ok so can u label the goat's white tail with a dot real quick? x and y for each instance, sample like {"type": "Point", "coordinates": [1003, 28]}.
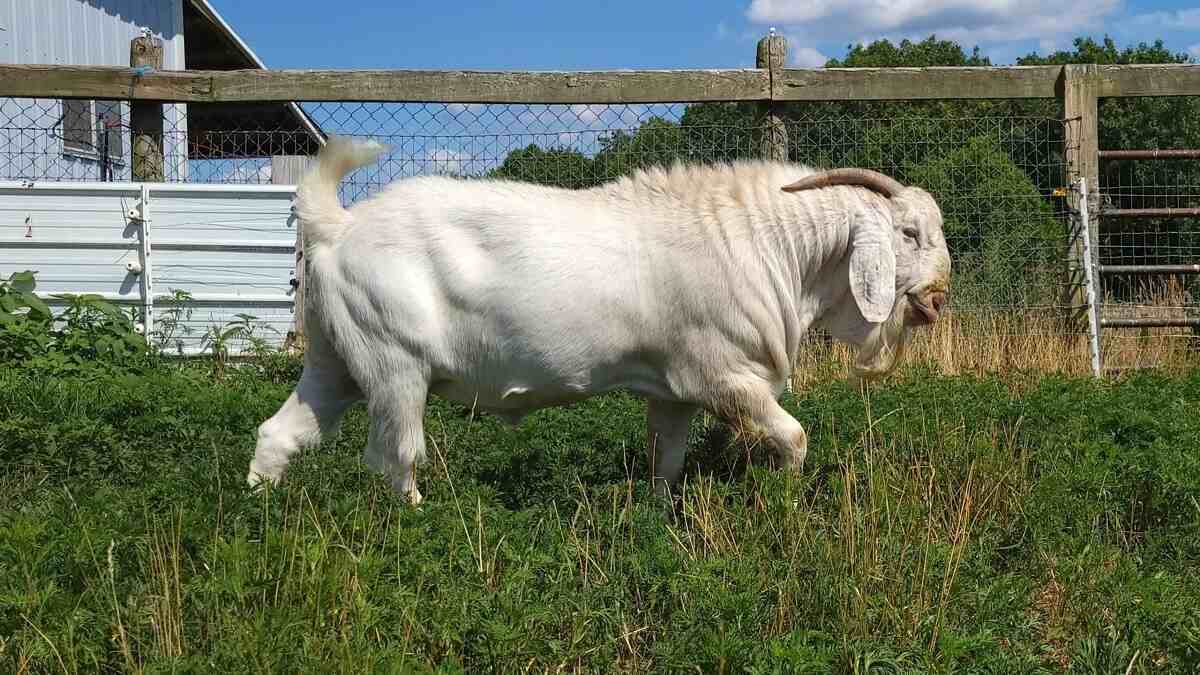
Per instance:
{"type": "Point", "coordinates": [318, 207]}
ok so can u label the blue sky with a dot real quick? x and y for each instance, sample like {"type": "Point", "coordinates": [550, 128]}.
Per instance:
{"type": "Point", "coordinates": [570, 35]}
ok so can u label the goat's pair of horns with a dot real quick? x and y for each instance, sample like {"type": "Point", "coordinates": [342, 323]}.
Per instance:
{"type": "Point", "coordinates": [872, 180]}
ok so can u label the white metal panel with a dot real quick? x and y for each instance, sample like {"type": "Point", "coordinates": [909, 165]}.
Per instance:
{"type": "Point", "coordinates": [232, 242]}
{"type": "Point", "coordinates": [77, 238]}
{"type": "Point", "coordinates": [231, 247]}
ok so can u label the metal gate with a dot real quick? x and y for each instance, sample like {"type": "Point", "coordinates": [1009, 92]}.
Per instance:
{"type": "Point", "coordinates": [1096, 270]}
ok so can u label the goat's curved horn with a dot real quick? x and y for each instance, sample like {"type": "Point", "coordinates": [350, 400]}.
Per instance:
{"type": "Point", "coordinates": [872, 180]}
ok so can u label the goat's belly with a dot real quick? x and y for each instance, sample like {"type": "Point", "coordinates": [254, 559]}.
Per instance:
{"type": "Point", "coordinates": [515, 397]}
{"type": "Point", "coordinates": [513, 401]}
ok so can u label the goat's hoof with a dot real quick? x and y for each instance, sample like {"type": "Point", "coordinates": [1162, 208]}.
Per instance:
{"type": "Point", "coordinates": [258, 479]}
{"type": "Point", "coordinates": [414, 496]}
{"type": "Point", "coordinates": [409, 492]}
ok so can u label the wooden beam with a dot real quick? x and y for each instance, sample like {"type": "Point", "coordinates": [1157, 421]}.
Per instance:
{"type": "Point", "coordinates": [642, 86]}
{"type": "Point", "coordinates": [288, 170]}
{"type": "Point", "coordinates": [645, 86]}
{"type": "Point", "coordinates": [146, 117]}
{"type": "Point", "coordinates": [1172, 79]}
{"type": "Point", "coordinates": [882, 84]}
{"type": "Point", "coordinates": [1081, 87]}
{"type": "Point", "coordinates": [770, 56]}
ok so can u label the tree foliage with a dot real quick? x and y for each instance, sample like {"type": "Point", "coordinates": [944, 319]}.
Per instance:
{"type": "Point", "coordinates": [557, 166]}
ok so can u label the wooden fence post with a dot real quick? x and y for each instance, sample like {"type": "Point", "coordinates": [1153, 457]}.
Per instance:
{"type": "Point", "coordinates": [1080, 93]}
{"type": "Point", "coordinates": [288, 170]}
{"type": "Point", "coordinates": [772, 56]}
{"type": "Point", "coordinates": [146, 117]}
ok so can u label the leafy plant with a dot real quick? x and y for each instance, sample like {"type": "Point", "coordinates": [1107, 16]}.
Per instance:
{"type": "Point", "coordinates": [171, 321]}
{"type": "Point", "coordinates": [218, 340]}
{"type": "Point", "coordinates": [24, 318]}
{"type": "Point", "coordinates": [16, 293]}
{"type": "Point", "coordinates": [88, 333]}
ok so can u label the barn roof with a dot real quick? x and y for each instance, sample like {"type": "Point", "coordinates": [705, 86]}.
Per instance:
{"type": "Point", "coordinates": [235, 130]}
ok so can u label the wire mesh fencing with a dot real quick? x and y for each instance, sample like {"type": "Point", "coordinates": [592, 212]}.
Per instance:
{"type": "Point", "coordinates": [996, 170]}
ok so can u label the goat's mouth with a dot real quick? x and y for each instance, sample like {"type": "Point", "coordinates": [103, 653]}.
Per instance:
{"type": "Point", "coordinates": [926, 310]}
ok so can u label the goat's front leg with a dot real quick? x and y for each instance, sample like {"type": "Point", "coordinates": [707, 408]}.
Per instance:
{"type": "Point", "coordinates": [751, 407]}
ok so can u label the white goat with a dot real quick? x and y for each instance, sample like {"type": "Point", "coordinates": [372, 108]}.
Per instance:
{"type": "Point", "coordinates": [691, 286]}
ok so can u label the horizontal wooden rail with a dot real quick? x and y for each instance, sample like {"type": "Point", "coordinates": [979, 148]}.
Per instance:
{"type": "Point", "coordinates": [618, 86]}
{"type": "Point", "coordinates": [867, 84]}
{"type": "Point", "coordinates": [416, 86]}
{"type": "Point", "coordinates": [1173, 79]}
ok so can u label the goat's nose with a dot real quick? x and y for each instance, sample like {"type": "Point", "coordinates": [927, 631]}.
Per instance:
{"type": "Point", "coordinates": [937, 300]}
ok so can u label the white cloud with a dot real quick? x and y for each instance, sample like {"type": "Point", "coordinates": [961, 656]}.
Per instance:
{"type": "Point", "coordinates": [1194, 51]}
{"type": "Point", "coordinates": [967, 21]}
{"type": "Point", "coordinates": [445, 161]}
{"type": "Point", "coordinates": [806, 57]}
{"type": "Point", "coordinates": [586, 114]}
{"type": "Point", "coordinates": [1183, 19]}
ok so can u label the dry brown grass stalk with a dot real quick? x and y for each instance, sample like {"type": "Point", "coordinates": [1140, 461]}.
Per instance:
{"type": "Point", "coordinates": [1034, 340]}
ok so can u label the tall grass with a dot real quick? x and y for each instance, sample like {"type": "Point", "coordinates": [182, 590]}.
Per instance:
{"type": "Point", "coordinates": [1034, 340]}
{"type": "Point", "coordinates": [941, 524]}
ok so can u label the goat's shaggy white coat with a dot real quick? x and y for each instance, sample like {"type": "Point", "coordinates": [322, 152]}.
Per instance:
{"type": "Point", "coordinates": [691, 286]}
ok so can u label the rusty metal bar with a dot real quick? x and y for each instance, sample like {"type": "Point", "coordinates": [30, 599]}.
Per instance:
{"type": "Point", "coordinates": [1152, 213]}
{"type": "Point", "coordinates": [1185, 322]}
{"type": "Point", "coordinates": [1150, 154]}
{"type": "Point", "coordinates": [1150, 269]}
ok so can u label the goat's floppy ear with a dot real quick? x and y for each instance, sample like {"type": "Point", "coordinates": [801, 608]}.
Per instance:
{"type": "Point", "coordinates": [872, 266]}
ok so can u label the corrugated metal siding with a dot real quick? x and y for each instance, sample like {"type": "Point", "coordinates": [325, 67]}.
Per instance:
{"type": "Point", "coordinates": [79, 32]}
{"type": "Point", "coordinates": [231, 247]}
{"type": "Point", "coordinates": [97, 33]}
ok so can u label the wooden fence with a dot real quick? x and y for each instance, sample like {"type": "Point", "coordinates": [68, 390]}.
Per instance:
{"type": "Point", "coordinates": [771, 84]}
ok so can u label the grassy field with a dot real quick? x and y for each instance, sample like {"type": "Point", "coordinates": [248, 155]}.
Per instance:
{"type": "Point", "coordinates": [941, 524]}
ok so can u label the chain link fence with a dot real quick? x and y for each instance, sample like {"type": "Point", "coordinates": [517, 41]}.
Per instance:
{"type": "Point", "coordinates": [996, 169]}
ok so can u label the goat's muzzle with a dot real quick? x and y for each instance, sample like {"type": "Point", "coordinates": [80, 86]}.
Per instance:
{"type": "Point", "coordinates": [925, 310]}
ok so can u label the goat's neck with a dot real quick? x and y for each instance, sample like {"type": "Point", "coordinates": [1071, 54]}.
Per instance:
{"type": "Point", "coordinates": [796, 245]}
{"type": "Point", "coordinates": [810, 245]}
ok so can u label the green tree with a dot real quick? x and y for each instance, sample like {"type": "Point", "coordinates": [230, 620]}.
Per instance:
{"type": "Point", "coordinates": [908, 54]}
{"type": "Point", "coordinates": [561, 167]}
{"type": "Point", "coordinates": [656, 142]}
{"type": "Point", "coordinates": [720, 132]}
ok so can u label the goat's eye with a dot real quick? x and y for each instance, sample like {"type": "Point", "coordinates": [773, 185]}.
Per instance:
{"type": "Point", "coordinates": [910, 232]}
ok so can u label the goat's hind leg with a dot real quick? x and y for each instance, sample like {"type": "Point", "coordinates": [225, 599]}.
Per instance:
{"type": "Point", "coordinates": [396, 442]}
{"type": "Point", "coordinates": [311, 411]}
